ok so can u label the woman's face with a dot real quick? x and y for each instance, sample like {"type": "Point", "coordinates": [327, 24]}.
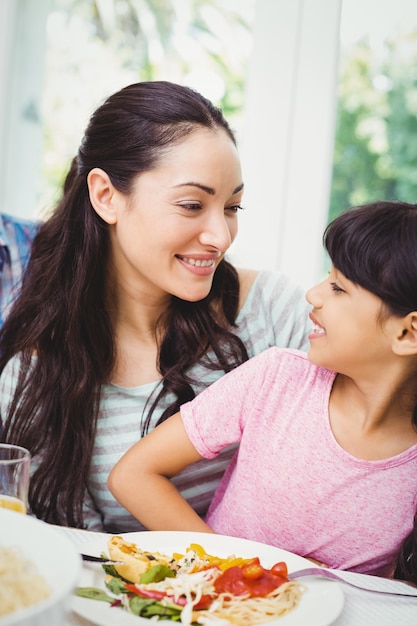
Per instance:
{"type": "Point", "coordinates": [174, 229]}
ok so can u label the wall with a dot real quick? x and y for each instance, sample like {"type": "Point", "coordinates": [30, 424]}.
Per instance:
{"type": "Point", "coordinates": [287, 145]}
{"type": "Point", "coordinates": [23, 37]}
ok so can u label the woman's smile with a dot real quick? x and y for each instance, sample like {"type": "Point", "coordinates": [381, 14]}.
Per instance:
{"type": "Point", "coordinates": [202, 265]}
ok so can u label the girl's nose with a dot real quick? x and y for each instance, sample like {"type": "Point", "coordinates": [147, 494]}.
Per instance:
{"type": "Point", "coordinates": [314, 296]}
{"type": "Point", "coordinates": [218, 232]}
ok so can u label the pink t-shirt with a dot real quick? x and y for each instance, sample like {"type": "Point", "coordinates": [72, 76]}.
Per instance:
{"type": "Point", "coordinates": [291, 485]}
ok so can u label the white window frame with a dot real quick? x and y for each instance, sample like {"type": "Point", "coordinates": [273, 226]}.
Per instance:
{"type": "Point", "coordinates": [288, 137]}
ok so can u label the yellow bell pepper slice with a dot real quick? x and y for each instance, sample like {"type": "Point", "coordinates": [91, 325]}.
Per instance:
{"type": "Point", "coordinates": [221, 563]}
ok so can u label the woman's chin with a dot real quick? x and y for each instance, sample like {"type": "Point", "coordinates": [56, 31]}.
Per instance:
{"type": "Point", "coordinates": [195, 298]}
{"type": "Point", "coordinates": [193, 292]}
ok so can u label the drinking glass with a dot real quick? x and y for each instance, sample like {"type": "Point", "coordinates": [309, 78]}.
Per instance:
{"type": "Point", "coordinates": [14, 477]}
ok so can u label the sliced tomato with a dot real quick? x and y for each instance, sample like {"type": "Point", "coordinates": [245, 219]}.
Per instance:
{"type": "Point", "coordinates": [253, 569]}
{"type": "Point", "coordinates": [280, 569]}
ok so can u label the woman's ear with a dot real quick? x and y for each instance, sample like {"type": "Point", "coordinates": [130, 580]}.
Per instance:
{"type": "Point", "coordinates": [405, 342]}
{"type": "Point", "coordinates": [102, 195]}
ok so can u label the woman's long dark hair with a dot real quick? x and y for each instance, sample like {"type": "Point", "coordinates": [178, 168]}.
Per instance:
{"type": "Point", "coordinates": [61, 313]}
{"type": "Point", "coordinates": [375, 246]}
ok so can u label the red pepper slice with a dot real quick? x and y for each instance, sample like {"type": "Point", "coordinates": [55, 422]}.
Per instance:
{"type": "Point", "coordinates": [146, 593]}
{"type": "Point", "coordinates": [154, 594]}
{"type": "Point", "coordinates": [203, 603]}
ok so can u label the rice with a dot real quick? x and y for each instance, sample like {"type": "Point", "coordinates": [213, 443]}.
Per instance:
{"type": "Point", "coordinates": [21, 585]}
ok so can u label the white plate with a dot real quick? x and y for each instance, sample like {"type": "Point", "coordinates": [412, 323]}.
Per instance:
{"type": "Point", "coordinates": [319, 606]}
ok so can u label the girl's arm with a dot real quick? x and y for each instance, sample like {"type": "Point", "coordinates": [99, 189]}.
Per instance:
{"type": "Point", "coordinates": [140, 480]}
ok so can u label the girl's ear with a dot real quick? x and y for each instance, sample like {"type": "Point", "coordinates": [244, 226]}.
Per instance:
{"type": "Point", "coordinates": [102, 195]}
{"type": "Point", "coordinates": [405, 342]}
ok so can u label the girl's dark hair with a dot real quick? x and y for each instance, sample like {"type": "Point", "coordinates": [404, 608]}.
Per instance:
{"type": "Point", "coordinates": [375, 246]}
{"type": "Point", "coordinates": [62, 316]}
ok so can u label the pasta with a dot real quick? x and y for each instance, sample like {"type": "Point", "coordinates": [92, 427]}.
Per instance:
{"type": "Point", "coordinates": [20, 583]}
{"type": "Point", "coordinates": [212, 590]}
{"type": "Point", "coordinates": [241, 611]}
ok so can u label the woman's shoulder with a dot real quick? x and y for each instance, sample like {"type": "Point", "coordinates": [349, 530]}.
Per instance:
{"type": "Point", "coordinates": [268, 283]}
{"type": "Point", "coordinates": [273, 311]}
{"type": "Point", "coordinates": [12, 367]}
{"type": "Point", "coordinates": [274, 298]}
{"type": "Point", "coordinates": [247, 278]}
{"type": "Point", "coordinates": [8, 382]}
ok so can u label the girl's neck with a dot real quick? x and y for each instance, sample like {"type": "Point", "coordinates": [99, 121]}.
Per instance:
{"type": "Point", "coordinates": [373, 420]}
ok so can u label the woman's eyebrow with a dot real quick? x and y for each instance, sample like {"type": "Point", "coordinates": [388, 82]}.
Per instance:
{"type": "Point", "coordinates": [238, 188]}
{"type": "Point", "coordinates": [208, 190]}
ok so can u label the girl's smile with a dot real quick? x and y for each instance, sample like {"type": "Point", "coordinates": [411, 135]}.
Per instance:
{"type": "Point", "coordinates": [317, 330]}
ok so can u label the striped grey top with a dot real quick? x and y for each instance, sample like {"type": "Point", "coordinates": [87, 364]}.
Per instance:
{"type": "Point", "coordinates": [275, 313]}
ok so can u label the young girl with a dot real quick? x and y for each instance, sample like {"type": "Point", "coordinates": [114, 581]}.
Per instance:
{"type": "Point", "coordinates": [327, 462]}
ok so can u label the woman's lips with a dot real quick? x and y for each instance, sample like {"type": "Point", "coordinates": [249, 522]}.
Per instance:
{"type": "Point", "coordinates": [199, 265]}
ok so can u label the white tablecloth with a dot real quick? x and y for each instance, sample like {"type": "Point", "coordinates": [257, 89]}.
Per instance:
{"type": "Point", "coordinates": [361, 608]}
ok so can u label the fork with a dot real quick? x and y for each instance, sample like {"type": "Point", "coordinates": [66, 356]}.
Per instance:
{"type": "Point", "coordinates": [99, 559]}
{"type": "Point", "coordinates": [325, 573]}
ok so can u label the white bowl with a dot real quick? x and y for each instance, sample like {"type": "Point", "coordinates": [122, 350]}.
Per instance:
{"type": "Point", "coordinates": [56, 559]}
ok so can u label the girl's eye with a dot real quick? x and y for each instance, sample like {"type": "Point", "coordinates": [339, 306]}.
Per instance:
{"type": "Point", "coordinates": [336, 287]}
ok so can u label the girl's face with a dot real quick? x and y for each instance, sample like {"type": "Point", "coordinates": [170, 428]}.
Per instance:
{"type": "Point", "coordinates": [173, 231]}
{"type": "Point", "coordinates": [348, 335]}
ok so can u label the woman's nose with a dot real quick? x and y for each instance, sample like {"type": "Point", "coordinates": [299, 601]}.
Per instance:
{"type": "Point", "coordinates": [218, 232]}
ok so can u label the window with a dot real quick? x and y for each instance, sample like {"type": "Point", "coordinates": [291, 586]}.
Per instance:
{"type": "Point", "coordinates": [272, 66]}
{"type": "Point", "coordinates": [375, 155]}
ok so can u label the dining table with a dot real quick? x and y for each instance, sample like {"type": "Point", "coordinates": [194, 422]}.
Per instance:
{"type": "Point", "coordinates": [360, 608]}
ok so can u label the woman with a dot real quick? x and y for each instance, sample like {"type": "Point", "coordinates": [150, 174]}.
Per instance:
{"type": "Point", "coordinates": [129, 307]}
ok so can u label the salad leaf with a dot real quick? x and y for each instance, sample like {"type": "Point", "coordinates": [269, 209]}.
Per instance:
{"type": "Point", "coordinates": [93, 594]}
{"type": "Point", "coordinates": [144, 607]}
{"type": "Point", "coordinates": [156, 573]}
{"type": "Point", "coordinates": [116, 585]}
{"type": "Point", "coordinates": [110, 570]}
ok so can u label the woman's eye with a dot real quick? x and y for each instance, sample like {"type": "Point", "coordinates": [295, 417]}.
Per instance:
{"type": "Point", "coordinates": [191, 206]}
{"type": "Point", "coordinates": [234, 209]}
{"type": "Point", "coordinates": [335, 287]}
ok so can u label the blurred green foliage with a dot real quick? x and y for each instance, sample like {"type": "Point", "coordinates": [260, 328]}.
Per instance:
{"type": "Point", "coordinates": [375, 154]}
